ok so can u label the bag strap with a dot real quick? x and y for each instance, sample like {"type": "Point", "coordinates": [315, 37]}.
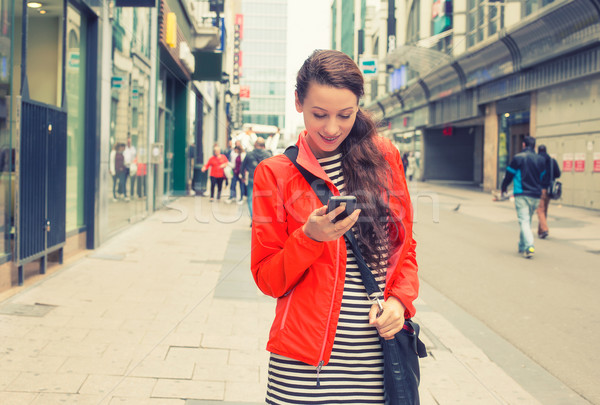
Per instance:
{"type": "Point", "coordinates": [318, 185]}
{"type": "Point", "coordinates": [323, 192]}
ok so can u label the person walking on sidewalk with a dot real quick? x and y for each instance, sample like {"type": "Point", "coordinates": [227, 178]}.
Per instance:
{"type": "Point", "coordinates": [216, 163]}
{"type": "Point", "coordinates": [252, 159]}
{"type": "Point", "coordinates": [527, 169]}
{"type": "Point", "coordinates": [552, 173]}
{"type": "Point", "coordinates": [324, 341]}
{"type": "Point", "coordinates": [235, 163]}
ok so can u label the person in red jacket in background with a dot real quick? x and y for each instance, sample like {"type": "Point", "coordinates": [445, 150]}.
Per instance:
{"type": "Point", "coordinates": [324, 341]}
{"type": "Point", "coordinates": [217, 164]}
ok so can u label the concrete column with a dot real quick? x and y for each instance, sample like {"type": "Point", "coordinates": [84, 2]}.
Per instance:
{"type": "Point", "coordinates": [533, 114]}
{"type": "Point", "coordinates": [490, 147]}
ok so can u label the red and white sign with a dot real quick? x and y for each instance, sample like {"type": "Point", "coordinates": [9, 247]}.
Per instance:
{"type": "Point", "coordinates": [596, 162]}
{"type": "Point", "coordinates": [239, 20]}
{"type": "Point", "coordinates": [567, 162]}
{"type": "Point", "coordinates": [244, 91]}
{"type": "Point", "coordinates": [580, 162]}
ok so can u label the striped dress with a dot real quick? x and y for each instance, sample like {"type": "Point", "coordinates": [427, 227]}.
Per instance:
{"type": "Point", "coordinates": [354, 374]}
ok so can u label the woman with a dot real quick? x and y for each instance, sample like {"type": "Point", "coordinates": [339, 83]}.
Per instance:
{"type": "Point", "coordinates": [217, 164]}
{"type": "Point", "coordinates": [324, 341]}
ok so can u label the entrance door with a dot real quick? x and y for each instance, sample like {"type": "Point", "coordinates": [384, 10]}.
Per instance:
{"type": "Point", "coordinates": [517, 134]}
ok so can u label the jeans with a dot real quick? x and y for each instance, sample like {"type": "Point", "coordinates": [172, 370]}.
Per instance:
{"type": "Point", "coordinates": [526, 207]}
{"type": "Point", "coordinates": [235, 180]}
{"type": "Point", "coordinates": [249, 191]}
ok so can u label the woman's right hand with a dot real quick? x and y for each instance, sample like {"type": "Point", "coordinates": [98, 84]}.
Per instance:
{"type": "Point", "coordinates": [320, 227]}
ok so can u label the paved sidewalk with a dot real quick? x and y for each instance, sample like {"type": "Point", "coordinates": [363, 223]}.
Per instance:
{"type": "Point", "coordinates": [167, 313]}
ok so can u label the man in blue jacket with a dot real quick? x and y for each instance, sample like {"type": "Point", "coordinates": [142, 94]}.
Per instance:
{"type": "Point", "coordinates": [527, 169]}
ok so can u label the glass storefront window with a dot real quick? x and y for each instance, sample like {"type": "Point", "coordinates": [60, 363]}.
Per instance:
{"type": "Point", "coordinates": [128, 145]}
{"type": "Point", "coordinates": [75, 90]}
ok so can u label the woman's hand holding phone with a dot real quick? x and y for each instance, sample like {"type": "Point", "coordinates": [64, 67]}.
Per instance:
{"type": "Point", "coordinates": [321, 227]}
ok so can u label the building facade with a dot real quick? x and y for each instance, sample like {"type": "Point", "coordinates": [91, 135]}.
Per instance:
{"type": "Point", "coordinates": [468, 80]}
{"type": "Point", "coordinates": [263, 62]}
{"type": "Point", "coordinates": [99, 112]}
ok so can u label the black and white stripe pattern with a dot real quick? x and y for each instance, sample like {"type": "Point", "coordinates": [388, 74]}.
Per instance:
{"type": "Point", "coordinates": [354, 374]}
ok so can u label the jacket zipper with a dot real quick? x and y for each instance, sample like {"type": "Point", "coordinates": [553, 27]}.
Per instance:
{"type": "Point", "coordinates": [337, 268]}
{"type": "Point", "coordinates": [287, 307]}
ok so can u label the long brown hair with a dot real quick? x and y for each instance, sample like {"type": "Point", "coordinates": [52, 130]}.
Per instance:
{"type": "Point", "coordinates": [363, 165]}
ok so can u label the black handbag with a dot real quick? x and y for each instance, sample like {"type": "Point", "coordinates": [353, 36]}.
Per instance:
{"type": "Point", "coordinates": [401, 372]}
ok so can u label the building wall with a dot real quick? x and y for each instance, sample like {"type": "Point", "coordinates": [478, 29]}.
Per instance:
{"type": "Point", "coordinates": [568, 123]}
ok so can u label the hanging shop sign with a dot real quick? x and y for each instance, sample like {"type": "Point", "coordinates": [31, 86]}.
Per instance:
{"type": "Point", "coordinates": [186, 57]}
{"type": "Point", "coordinates": [368, 66]}
{"type": "Point", "coordinates": [442, 16]}
{"type": "Point", "coordinates": [171, 30]}
{"type": "Point", "coordinates": [244, 91]}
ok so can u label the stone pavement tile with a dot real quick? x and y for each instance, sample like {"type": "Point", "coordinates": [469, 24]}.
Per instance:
{"type": "Point", "coordinates": [215, 357]}
{"type": "Point", "coordinates": [239, 342]}
{"type": "Point", "coordinates": [86, 322]}
{"type": "Point", "coordinates": [58, 333]}
{"type": "Point", "coordinates": [135, 387]}
{"type": "Point", "coordinates": [11, 327]}
{"type": "Point", "coordinates": [117, 386]}
{"type": "Point", "coordinates": [248, 357]}
{"type": "Point", "coordinates": [48, 382]}
{"type": "Point", "coordinates": [17, 398]}
{"type": "Point", "coordinates": [144, 401]}
{"type": "Point", "coordinates": [183, 339]}
{"type": "Point", "coordinates": [208, 372]}
{"type": "Point", "coordinates": [70, 399]}
{"type": "Point", "coordinates": [95, 365]}
{"type": "Point", "coordinates": [136, 353]}
{"type": "Point", "coordinates": [188, 389]}
{"type": "Point", "coordinates": [245, 392]}
{"type": "Point", "coordinates": [22, 346]}
{"type": "Point", "coordinates": [450, 382]}
{"type": "Point", "coordinates": [131, 311]}
{"type": "Point", "coordinates": [498, 382]}
{"type": "Point", "coordinates": [100, 384]}
{"type": "Point", "coordinates": [163, 369]}
{"type": "Point", "coordinates": [35, 364]}
{"type": "Point", "coordinates": [100, 336]}
{"type": "Point", "coordinates": [426, 398]}
{"type": "Point", "coordinates": [7, 377]}
{"type": "Point", "coordinates": [74, 349]}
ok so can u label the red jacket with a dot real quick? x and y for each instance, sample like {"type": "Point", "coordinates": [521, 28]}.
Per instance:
{"type": "Point", "coordinates": [306, 276]}
{"type": "Point", "coordinates": [215, 163]}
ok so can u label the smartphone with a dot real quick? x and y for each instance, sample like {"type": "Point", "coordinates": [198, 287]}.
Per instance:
{"type": "Point", "coordinates": [348, 201]}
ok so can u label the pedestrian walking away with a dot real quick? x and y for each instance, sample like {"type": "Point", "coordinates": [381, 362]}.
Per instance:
{"type": "Point", "coordinates": [552, 172]}
{"type": "Point", "coordinates": [527, 169]}
{"type": "Point", "coordinates": [251, 161]}
{"type": "Point", "coordinates": [325, 339]}
{"type": "Point", "coordinates": [235, 163]}
{"type": "Point", "coordinates": [216, 164]}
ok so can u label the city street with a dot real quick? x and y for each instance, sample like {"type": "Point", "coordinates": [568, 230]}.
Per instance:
{"type": "Point", "coordinates": [546, 306]}
{"type": "Point", "coordinates": [166, 312]}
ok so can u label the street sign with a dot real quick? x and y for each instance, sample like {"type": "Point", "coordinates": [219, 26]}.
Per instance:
{"type": "Point", "coordinates": [368, 67]}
